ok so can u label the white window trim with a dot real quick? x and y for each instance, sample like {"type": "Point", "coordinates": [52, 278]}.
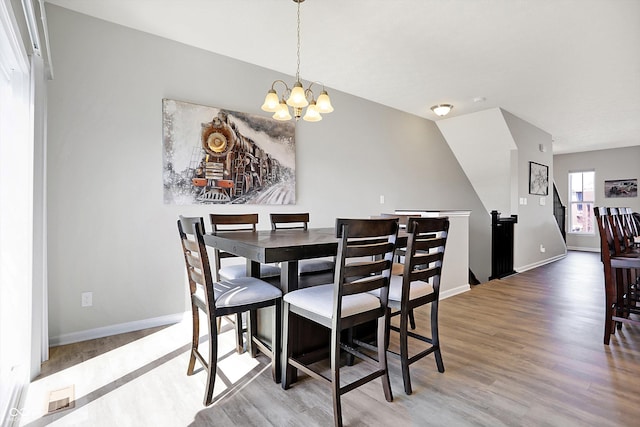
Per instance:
{"type": "Point", "coordinates": [569, 203]}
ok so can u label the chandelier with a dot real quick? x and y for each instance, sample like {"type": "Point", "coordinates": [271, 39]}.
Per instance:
{"type": "Point", "coordinates": [297, 97]}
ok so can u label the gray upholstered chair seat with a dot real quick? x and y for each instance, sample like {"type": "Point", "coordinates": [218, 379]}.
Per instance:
{"type": "Point", "coordinates": [417, 289]}
{"type": "Point", "coordinates": [315, 265]}
{"type": "Point", "coordinates": [240, 270]}
{"type": "Point", "coordinates": [241, 291]}
{"type": "Point", "coordinates": [319, 300]}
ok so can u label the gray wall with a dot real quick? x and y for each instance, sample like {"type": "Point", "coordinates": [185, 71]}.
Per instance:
{"type": "Point", "coordinates": [494, 147]}
{"type": "Point", "coordinates": [619, 163]}
{"type": "Point", "coordinates": [109, 231]}
{"type": "Point", "coordinates": [536, 224]}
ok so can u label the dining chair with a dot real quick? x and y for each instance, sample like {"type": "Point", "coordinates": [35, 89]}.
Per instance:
{"type": "Point", "coordinates": [418, 286]}
{"type": "Point", "coordinates": [624, 244]}
{"type": "Point", "coordinates": [622, 238]}
{"type": "Point", "coordinates": [398, 265]}
{"type": "Point", "coordinates": [620, 298]}
{"type": "Point", "coordinates": [300, 221]}
{"type": "Point", "coordinates": [227, 270]}
{"type": "Point", "coordinates": [363, 263]}
{"type": "Point", "coordinates": [236, 223]}
{"type": "Point", "coordinates": [631, 228]}
{"type": "Point", "coordinates": [222, 298]}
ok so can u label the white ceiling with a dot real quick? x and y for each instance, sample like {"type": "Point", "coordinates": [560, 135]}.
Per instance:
{"type": "Point", "coordinates": [569, 67]}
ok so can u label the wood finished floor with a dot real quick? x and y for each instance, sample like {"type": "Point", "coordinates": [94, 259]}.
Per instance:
{"type": "Point", "coordinates": [522, 351]}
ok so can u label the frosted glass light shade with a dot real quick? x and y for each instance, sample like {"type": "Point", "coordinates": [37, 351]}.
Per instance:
{"type": "Point", "coordinates": [312, 114]}
{"type": "Point", "coordinates": [324, 103]}
{"type": "Point", "coordinates": [282, 113]}
{"type": "Point", "coordinates": [297, 97]}
{"type": "Point", "coordinates": [271, 102]}
{"type": "Point", "coordinates": [442, 109]}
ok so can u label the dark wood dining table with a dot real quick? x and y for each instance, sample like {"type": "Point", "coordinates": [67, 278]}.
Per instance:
{"type": "Point", "coordinates": [286, 247]}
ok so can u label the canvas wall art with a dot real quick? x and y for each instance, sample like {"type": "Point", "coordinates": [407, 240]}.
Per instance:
{"type": "Point", "coordinates": [216, 156]}
{"type": "Point", "coordinates": [621, 188]}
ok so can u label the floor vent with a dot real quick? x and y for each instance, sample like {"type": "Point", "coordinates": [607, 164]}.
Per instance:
{"type": "Point", "coordinates": [60, 400]}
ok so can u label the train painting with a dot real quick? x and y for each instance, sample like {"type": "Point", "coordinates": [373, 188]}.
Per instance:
{"type": "Point", "coordinates": [217, 156]}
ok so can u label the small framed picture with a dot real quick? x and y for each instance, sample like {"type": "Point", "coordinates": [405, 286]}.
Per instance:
{"type": "Point", "coordinates": [538, 179]}
{"type": "Point", "coordinates": [621, 188]}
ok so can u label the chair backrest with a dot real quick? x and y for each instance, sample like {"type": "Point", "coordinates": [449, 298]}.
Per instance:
{"type": "Point", "coordinates": [605, 230]}
{"type": "Point", "coordinates": [363, 263]}
{"type": "Point", "coordinates": [622, 237]}
{"type": "Point", "coordinates": [196, 259]}
{"type": "Point", "coordinates": [631, 228]}
{"type": "Point", "coordinates": [403, 219]}
{"type": "Point", "coordinates": [289, 221]}
{"type": "Point", "coordinates": [233, 222]}
{"type": "Point", "coordinates": [229, 222]}
{"type": "Point", "coordinates": [426, 243]}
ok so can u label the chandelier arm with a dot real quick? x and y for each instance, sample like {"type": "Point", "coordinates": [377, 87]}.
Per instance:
{"type": "Point", "coordinates": [286, 87]}
{"type": "Point", "coordinates": [308, 91]}
{"type": "Point", "coordinates": [315, 83]}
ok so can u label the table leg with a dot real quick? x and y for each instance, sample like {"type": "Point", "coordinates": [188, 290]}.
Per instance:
{"type": "Point", "coordinates": [288, 283]}
{"type": "Point", "coordinates": [288, 276]}
{"type": "Point", "coordinates": [253, 268]}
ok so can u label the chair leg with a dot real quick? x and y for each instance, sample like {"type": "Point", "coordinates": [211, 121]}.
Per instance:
{"type": "Point", "coordinates": [383, 326]}
{"type": "Point", "coordinates": [239, 336]}
{"type": "Point", "coordinates": [412, 320]}
{"type": "Point", "coordinates": [213, 360]}
{"type": "Point", "coordinates": [350, 357]}
{"type": "Point", "coordinates": [404, 351]}
{"type": "Point", "coordinates": [387, 335]}
{"type": "Point", "coordinates": [252, 328]}
{"type": "Point", "coordinates": [335, 377]}
{"type": "Point", "coordinates": [435, 338]}
{"type": "Point", "coordinates": [195, 339]}
{"type": "Point", "coordinates": [609, 324]}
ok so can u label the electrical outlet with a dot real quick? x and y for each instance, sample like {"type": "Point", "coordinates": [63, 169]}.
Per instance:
{"type": "Point", "coordinates": [382, 200]}
{"type": "Point", "coordinates": [87, 299]}
{"type": "Point", "coordinates": [542, 249]}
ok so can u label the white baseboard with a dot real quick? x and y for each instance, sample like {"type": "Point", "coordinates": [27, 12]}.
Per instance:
{"type": "Point", "coordinates": [120, 328]}
{"type": "Point", "coordinates": [455, 291]}
{"type": "Point", "coordinates": [540, 263]}
{"type": "Point", "coordinates": [582, 249]}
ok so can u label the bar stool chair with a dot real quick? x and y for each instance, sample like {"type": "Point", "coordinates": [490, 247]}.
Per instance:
{"type": "Point", "coordinates": [300, 221]}
{"type": "Point", "coordinates": [398, 266]}
{"type": "Point", "coordinates": [620, 301]}
{"type": "Point", "coordinates": [233, 223]}
{"type": "Point", "coordinates": [419, 285]}
{"type": "Point", "coordinates": [363, 263]}
{"type": "Point", "coordinates": [222, 298]}
{"type": "Point", "coordinates": [222, 270]}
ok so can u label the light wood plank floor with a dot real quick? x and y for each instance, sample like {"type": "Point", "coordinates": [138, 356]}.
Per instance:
{"type": "Point", "coordinates": [523, 351]}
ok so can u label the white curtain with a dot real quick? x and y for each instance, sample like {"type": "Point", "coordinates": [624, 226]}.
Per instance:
{"type": "Point", "coordinates": [16, 211]}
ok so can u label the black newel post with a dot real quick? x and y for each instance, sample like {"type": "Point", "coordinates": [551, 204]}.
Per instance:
{"type": "Point", "coordinates": [502, 245]}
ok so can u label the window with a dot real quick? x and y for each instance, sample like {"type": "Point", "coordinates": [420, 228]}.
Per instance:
{"type": "Point", "coordinates": [582, 198]}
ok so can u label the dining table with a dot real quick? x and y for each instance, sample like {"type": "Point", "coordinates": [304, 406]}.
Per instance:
{"type": "Point", "coordinates": [286, 247]}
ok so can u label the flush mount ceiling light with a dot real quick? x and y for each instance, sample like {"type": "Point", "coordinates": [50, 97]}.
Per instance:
{"type": "Point", "coordinates": [297, 97]}
{"type": "Point", "coordinates": [442, 109]}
